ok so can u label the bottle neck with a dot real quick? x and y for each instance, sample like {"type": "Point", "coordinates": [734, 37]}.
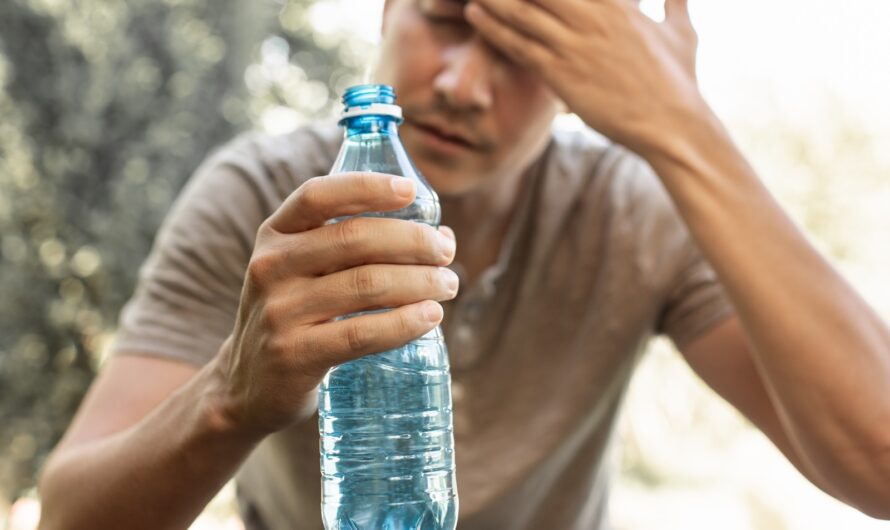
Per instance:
{"type": "Point", "coordinates": [371, 124]}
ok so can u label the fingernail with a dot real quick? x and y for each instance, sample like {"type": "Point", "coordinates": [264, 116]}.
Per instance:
{"type": "Point", "coordinates": [447, 231]}
{"type": "Point", "coordinates": [402, 186]}
{"type": "Point", "coordinates": [432, 311]}
{"type": "Point", "coordinates": [450, 278]}
{"type": "Point", "coordinates": [447, 245]}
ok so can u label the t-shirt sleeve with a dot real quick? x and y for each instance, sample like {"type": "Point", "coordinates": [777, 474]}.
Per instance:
{"type": "Point", "coordinates": [189, 287]}
{"type": "Point", "coordinates": [686, 295]}
{"type": "Point", "coordinates": [695, 301]}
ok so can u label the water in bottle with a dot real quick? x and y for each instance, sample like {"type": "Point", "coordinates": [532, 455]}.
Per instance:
{"type": "Point", "coordinates": [387, 446]}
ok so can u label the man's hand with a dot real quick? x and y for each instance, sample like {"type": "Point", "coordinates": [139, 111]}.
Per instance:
{"type": "Point", "coordinates": [625, 75]}
{"type": "Point", "coordinates": [303, 273]}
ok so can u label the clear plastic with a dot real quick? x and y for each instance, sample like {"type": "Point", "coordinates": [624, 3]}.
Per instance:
{"type": "Point", "coordinates": [387, 444]}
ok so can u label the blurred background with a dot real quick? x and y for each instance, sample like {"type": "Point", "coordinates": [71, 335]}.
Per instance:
{"type": "Point", "coordinates": [107, 106]}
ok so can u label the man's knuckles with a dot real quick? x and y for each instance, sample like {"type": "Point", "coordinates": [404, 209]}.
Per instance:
{"type": "Point", "coordinates": [369, 283]}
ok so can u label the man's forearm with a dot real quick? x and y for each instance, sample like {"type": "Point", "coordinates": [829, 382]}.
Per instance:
{"type": "Point", "coordinates": [823, 352]}
{"type": "Point", "coordinates": [158, 474]}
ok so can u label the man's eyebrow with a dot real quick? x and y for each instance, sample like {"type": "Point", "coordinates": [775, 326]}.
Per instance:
{"type": "Point", "coordinates": [450, 6]}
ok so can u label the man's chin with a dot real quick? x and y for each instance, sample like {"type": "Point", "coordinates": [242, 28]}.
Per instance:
{"type": "Point", "coordinates": [449, 184]}
{"type": "Point", "coordinates": [448, 179]}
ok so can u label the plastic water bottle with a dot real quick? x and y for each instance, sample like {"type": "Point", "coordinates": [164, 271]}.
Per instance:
{"type": "Point", "coordinates": [387, 444]}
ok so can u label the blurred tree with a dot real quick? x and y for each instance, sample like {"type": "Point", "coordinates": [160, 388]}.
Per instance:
{"type": "Point", "coordinates": [106, 109]}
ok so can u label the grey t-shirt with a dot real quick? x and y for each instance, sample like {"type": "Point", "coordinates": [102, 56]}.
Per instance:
{"type": "Point", "coordinates": [542, 345]}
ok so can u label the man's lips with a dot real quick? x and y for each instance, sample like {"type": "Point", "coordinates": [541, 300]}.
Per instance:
{"type": "Point", "coordinates": [445, 134]}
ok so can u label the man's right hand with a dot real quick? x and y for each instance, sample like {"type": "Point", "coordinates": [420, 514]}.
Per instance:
{"type": "Point", "coordinates": [183, 431]}
{"type": "Point", "coordinates": [303, 273]}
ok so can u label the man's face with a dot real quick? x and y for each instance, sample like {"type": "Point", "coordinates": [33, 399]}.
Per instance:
{"type": "Point", "coordinates": [470, 115]}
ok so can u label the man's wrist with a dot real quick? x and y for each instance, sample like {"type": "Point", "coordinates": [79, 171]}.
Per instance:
{"type": "Point", "coordinates": [685, 138]}
{"type": "Point", "coordinates": [226, 415]}
{"type": "Point", "coordinates": [219, 415]}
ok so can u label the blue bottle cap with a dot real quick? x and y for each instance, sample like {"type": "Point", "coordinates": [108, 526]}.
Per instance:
{"type": "Point", "coordinates": [362, 100]}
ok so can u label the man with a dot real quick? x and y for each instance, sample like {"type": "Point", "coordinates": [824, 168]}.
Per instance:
{"type": "Point", "coordinates": [573, 252]}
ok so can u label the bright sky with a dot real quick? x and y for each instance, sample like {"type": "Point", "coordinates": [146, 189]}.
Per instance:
{"type": "Point", "coordinates": [799, 47]}
{"type": "Point", "coordinates": [795, 49]}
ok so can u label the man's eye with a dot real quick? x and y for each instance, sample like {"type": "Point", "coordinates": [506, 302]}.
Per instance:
{"type": "Point", "coordinates": [445, 17]}
{"type": "Point", "coordinates": [449, 25]}
{"type": "Point", "coordinates": [445, 12]}
{"type": "Point", "coordinates": [445, 20]}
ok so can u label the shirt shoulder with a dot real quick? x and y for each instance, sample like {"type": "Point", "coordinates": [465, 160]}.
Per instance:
{"type": "Point", "coordinates": [277, 164]}
{"type": "Point", "coordinates": [600, 166]}
{"type": "Point", "coordinates": [189, 286]}
{"type": "Point", "coordinates": [605, 187]}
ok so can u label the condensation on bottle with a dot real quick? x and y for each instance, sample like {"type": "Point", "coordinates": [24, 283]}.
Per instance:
{"type": "Point", "coordinates": [385, 420]}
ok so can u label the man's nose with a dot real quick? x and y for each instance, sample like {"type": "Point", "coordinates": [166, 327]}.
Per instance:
{"type": "Point", "coordinates": [465, 81]}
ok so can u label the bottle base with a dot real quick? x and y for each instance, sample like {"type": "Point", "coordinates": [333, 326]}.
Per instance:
{"type": "Point", "coordinates": [413, 516]}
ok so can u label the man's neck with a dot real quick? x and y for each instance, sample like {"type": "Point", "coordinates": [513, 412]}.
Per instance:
{"type": "Point", "coordinates": [481, 219]}
{"type": "Point", "coordinates": [482, 206]}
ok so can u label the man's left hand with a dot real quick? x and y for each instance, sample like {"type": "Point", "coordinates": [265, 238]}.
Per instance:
{"type": "Point", "coordinates": [626, 75]}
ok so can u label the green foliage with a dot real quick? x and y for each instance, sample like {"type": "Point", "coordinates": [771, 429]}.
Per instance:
{"type": "Point", "coordinates": [106, 107]}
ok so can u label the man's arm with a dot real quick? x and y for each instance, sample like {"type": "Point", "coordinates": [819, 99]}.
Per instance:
{"type": "Point", "coordinates": [156, 439]}
{"type": "Point", "coordinates": [822, 352]}
{"type": "Point", "coordinates": [146, 450]}
{"type": "Point", "coordinates": [722, 357]}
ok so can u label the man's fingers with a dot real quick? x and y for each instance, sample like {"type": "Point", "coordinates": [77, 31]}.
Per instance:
{"type": "Point", "coordinates": [371, 287]}
{"type": "Point", "coordinates": [569, 12]}
{"type": "Point", "coordinates": [515, 33]}
{"type": "Point", "coordinates": [528, 18]}
{"type": "Point", "coordinates": [323, 198]}
{"type": "Point", "coordinates": [336, 342]}
{"type": "Point", "coordinates": [448, 232]}
{"type": "Point", "coordinates": [677, 12]}
{"type": "Point", "coordinates": [367, 240]}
